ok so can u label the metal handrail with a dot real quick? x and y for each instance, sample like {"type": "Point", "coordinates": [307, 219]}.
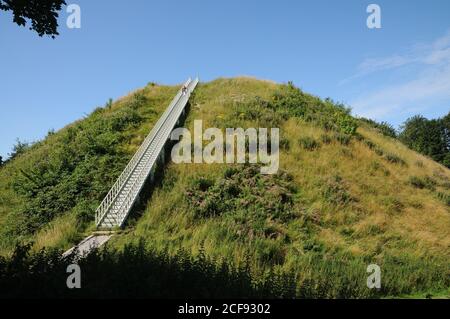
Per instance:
{"type": "Point", "coordinates": [167, 121]}
{"type": "Point", "coordinates": [129, 201]}
{"type": "Point", "coordinates": [124, 176]}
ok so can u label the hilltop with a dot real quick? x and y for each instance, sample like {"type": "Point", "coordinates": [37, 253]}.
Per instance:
{"type": "Point", "coordinates": [345, 196]}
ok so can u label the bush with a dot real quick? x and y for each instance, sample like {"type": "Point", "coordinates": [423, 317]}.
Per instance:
{"type": "Point", "coordinates": [417, 182]}
{"type": "Point", "coordinates": [109, 104]}
{"type": "Point", "coordinates": [446, 160]}
{"type": "Point", "coordinates": [444, 197]}
{"type": "Point", "coordinates": [347, 124]}
{"type": "Point", "coordinates": [394, 159]}
{"type": "Point", "coordinates": [344, 139]}
{"type": "Point", "coordinates": [326, 139]}
{"type": "Point", "coordinates": [251, 204]}
{"type": "Point", "coordinates": [429, 137]}
{"type": "Point", "coordinates": [422, 182]}
{"type": "Point", "coordinates": [150, 274]}
{"type": "Point", "coordinates": [336, 191]}
{"type": "Point", "coordinates": [285, 144]}
{"type": "Point", "coordinates": [379, 151]}
{"type": "Point", "coordinates": [308, 143]}
{"type": "Point", "coordinates": [257, 110]}
{"type": "Point", "coordinates": [370, 144]}
{"type": "Point", "coordinates": [18, 149]}
{"type": "Point", "coordinates": [330, 115]}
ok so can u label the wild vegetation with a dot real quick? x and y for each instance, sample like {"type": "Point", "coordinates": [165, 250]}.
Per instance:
{"type": "Point", "coordinates": [54, 186]}
{"type": "Point", "coordinates": [346, 196]}
{"type": "Point", "coordinates": [429, 137]}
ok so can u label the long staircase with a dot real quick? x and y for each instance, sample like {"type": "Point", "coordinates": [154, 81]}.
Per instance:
{"type": "Point", "coordinates": [118, 203]}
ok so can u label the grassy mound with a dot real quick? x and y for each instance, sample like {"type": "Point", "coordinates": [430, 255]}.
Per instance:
{"type": "Point", "coordinates": [346, 195]}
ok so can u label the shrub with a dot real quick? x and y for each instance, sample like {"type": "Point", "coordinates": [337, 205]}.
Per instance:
{"type": "Point", "coordinates": [429, 137]}
{"type": "Point", "coordinates": [150, 274]}
{"type": "Point", "coordinates": [18, 149]}
{"type": "Point", "coordinates": [344, 139]}
{"type": "Point", "coordinates": [360, 137]}
{"type": "Point", "coordinates": [444, 197]}
{"type": "Point", "coordinates": [417, 182]}
{"type": "Point", "coordinates": [109, 104]}
{"type": "Point", "coordinates": [138, 99]}
{"type": "Point", "coordinates": [328, 114]}
{"type": "Point", "coordinates": [422, 182]}
{"type": "Point", "coordinates": [395, 159]}
{"type": "Point", "coordinates": [285, 144]}
{"type": "Point", "coordinates": [252, 204]}
{"type": "Point", "coordinates": [162, 274]}
{"type": "Point", "coordinates": [336, 191]}
{"type": "Point", "coordinates": [254, 109]}
{"type": "Point", "coordinates": [446, 160]}
{"type": "Point", "coordinates": [393, 204]}
{"type": "Point", "coordinates": [347, 124]}
{"type": "Point", "coordinates": [326, 139]}
{"type": "Point", "coordinates": [370, 144]}
{"type": "Point", "coordinates": [308, 143]}
{"type": "Point", "coordinates": [379, 151]}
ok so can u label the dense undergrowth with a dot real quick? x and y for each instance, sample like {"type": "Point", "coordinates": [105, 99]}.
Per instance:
{"type": "Point", "coordinates": [158, 274]}
{"type": "Point", "coordinates": [70, 172]}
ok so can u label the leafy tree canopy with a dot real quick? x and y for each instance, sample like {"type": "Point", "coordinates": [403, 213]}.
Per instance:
{"type": "Point", "coordinates": [429, 137]}
{"type": "Point", "coordinates": [43, 14]}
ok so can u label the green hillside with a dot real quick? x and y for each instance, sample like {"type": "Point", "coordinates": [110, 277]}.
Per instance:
{"type": "Point", "coordinates": [346, 196]}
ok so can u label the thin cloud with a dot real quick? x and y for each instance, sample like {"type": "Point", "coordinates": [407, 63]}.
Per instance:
{"type": "Point", "coordinates": [435, 53]}
{"type": "Point", "coordinates": [405, 97]}
{"type": "Point", "coordinates": [431, 83]}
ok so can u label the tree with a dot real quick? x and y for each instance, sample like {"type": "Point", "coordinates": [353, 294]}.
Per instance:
{"type": "Point", "coordinates": [43, 14]}
{"type": "Point", "coordinates": [1, 161]}
{"type": "Point", "coordinates": [18, 149]}
{"type": "Point", "coordinates": [414, 133]}
{"type": "Point", "coordinates": [446, 128]}
{"type": "Point", "coordinates": [429, 137]}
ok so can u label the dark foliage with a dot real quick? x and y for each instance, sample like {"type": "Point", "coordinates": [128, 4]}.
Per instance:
{"type": "Point", "coordinates": [252, 204]}
{"type": "Point", "coordinates": [18, 149]}
{"type": "Point", "coordinates": [136, 272]}
{"type": "Point", "coordinates": [429, 137]}
{"type": "Point", "coordinates": [139, 272]}
{"type": "Point", "coordinates": [43, 15]}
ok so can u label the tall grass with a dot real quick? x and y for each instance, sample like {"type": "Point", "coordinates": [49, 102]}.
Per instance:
{"type": "Point", "coordinates": [356, 199]}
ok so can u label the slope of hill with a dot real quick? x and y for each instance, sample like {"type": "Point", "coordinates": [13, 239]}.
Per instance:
{"type": "Point", "coordinates": [345, 196]}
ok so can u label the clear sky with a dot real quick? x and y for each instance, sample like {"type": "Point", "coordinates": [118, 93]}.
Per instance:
{"type": "Point", "coordinates": [323, 46]}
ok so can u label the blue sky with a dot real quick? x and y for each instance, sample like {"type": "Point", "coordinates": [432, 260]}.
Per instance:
{"type": "Point", "coordinates": [323, 46]}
